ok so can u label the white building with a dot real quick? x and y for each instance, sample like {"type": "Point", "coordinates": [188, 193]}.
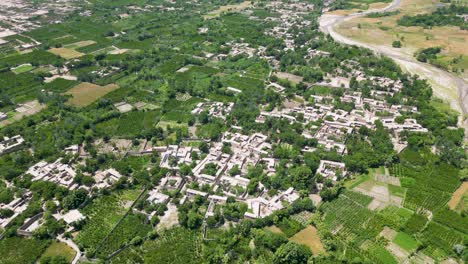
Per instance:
{"type": "Point", "coordinates": [56, 172]}
{"type": "Point", "coordinates": [18, 205]}
{"type": "Point", "coordinates": [156, 197]}
{"type": "Point", "coordinates": [10, 144]}
{"type": "Point", "coordinates": [331, 169]}
{"type": "Point", "coordinates": [106, 178]}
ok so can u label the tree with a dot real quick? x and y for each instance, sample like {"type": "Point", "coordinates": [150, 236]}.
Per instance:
{"type": "Point", "coordinates": [204, 147]}
{"type": "Point", "coordinates": [136, 241]}
{"type": "Point", "coordinates": [235, 170]}
{"type": "Point", "coordinates": [194, 220]}
{"type": "Point", "coordinates": [203, 117]}
{"type": "Point", "coordinates": [396, 44]}
{"type": "Point", "coordinates": [185, 169]}
{"type": "Point", "coordinates": [211, 221]}
{"type": "Point", "coordinates": [329, 194]}
{"type": "Point", "coordinates": [292, 253]}
{"type": "Point", "coordinates": [49, 229]}
{"type": "Point", "coordinates": [74, 199]}
{"type": "Point", "coordinates": [268, 239]}
{"type": "Point", "coordinates": [5, 213]}
{"type": "Point", "coordinates": [302, 177]}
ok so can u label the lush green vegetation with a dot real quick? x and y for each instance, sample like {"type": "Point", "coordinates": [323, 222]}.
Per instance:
{"type": "Point", "coordinates": [405, 241]}
{"type": "Point", "coordinates": [443, 16]}
{"type": "Point", "coordinates": [429, 54]}
{"type": "Point", "coordinates": [383, 14]}
{"type": "Point", "coordinates": [166, 71]}
{"type": "Point", "coordinates": [58, 250]}
{"type": "Point", "coordinates": [355, 4]}
{"type": "Point", "coordinates": [177, 245]}
{"type": "Point", "coordinates": [103, 215]}
{"type": "Point", "coordinates": [21, 250]}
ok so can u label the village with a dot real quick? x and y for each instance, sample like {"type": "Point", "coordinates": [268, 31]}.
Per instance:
{"type": "Point", "coordinates": [199, 131]}
{"type": "Point", "coordinates": [221, 172]}
{"type": "Point", "coordinates": [16, 17]}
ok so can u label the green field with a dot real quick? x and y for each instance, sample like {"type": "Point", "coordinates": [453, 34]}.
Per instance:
{"type": "Point", "coordinates": [405, 241]}
{"type": "Point", "coordinates": [23, 68]}
{"type": "Point", "coordinates": [103, 214]}
{"type": "Point", "coordinates": [59, 249]}
{"type": "Point", "coordinates": [14, 250]}
{"type": "Point", "coordinates": [177, 245]}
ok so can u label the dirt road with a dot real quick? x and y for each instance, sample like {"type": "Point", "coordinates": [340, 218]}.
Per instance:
{"type": "Point", "coordinates": [446, 86]}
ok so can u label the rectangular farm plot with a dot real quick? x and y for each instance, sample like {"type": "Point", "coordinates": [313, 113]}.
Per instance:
{"type": "Point", "coordinates": [228, 8]}
{"type": "Point", "coordinates": [405, 241]}
{"type": "Point", "coordinates": [66, 53]}
{"type": "Point", "coordinates": [86, 93]}
{"type": "Point", "coordinates": [457, 197]}
{"type": "Point", "coordinates": [60, 249]}
{"type": "Point", "coordinates": [80, 44]}
{"type": "Point", "coordinates": [309, 237]}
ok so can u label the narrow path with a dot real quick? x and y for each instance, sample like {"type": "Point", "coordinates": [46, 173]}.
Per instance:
{"type": "Point", "coordinates": [71, 244]}
{"type": "Point", "coordinates": [445, 85]}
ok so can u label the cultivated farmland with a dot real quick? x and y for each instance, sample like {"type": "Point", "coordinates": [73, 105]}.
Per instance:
{"type": "Point", "coordinates": [86, 93]}
{"type": "Point", "coordinates": [66, 53]}
{"type": "Point", "coordinates": [309, 237]}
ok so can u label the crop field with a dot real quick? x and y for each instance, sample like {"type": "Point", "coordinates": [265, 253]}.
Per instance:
{"type": "Point", "coordinates": [133, 162]}
{"type": "Point", "coordinates": [179, 111]}
{"type": "Point", "coordinates": [174, 246]}
{"type": "Point", "coordinates": [171, 66]}
{"type": "Point", "coordinates": [136, 122]}
{"type": "Point", "coordinates": [441, 239]}
{"type": "Point", "coordinates": [378, 253]}
{"type": "Point", "coordinates": [131, 226]}
{"type": "Point", "coordinates": [289, 226]}
{"type": "Point", "coordinates": [274, 229]}
{"type": "Point", "coordinates": [430, 186]}
{"type": "Point", "coordinates": [228, 8]}
{"type": "Point", "coordinates": [22, 87]}
{"type": "Point", "coordinates": [458, 200]}
{"type": "Point", "coordinates": [22, 68]}
{"type": "Point", "coordinates": [129, 124]}
{"type": "Point", "coordinates": [177, 245]}
{"type": "Point", "coordinates": [377, 184]}
{"type": "Point", "coordinates": [27, 109]}
{"type": "Point", "coordinates": [289, 77]}
{"type": "Point", "coordinates": [14, 250]}
{"type": "Point", "coordinates": [309, 237]}
{"type": "Point", "coordinates": [65, 33]}
{"type": "Point", "coordinates": [128, 255]}
{"type": "Point", "coordinates": [37, 56]}
{"type": "Point", "coordinates": [60, 249]}
{"type": "Point", "coordinates": [79, 44]}
{"type": "Point", "coordinates": [86, 93]}
{"type": "Point", "coordinates": [350, 184]}
{"type": "Point", "coordinates": [451, 219]}
{"type": "Point", "coordinates": [60, 85]}
{"type": "Point", "coordinates": [349, 219]}
{"type": "Point", "coordinates": [66, 53]}
{"type": "Point", "coordinates": [243, 83]}
{"type": "Point", "coordinates": [405, 241]}
{"type": "Point", "coordinates": [421, 177]}
{"type": "Point", "coordinates": [103, 214]}
{"type": "Point", "coordinates": [249, 67]}
{"type": "Point", "coordinates": [348, 215]}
